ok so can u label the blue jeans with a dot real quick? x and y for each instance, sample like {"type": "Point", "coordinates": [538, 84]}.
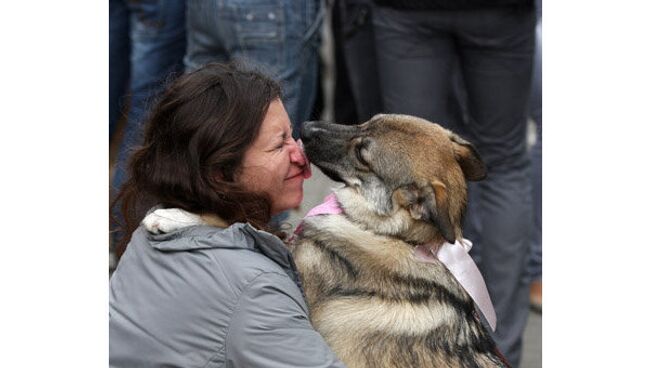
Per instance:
{"type": "Point", "coordinates": [146, 45]}
{"type": "Point", "coordinates": [492, 49]}
{"type": "Point", "coordinates": [279, 37]}
{"type": "Point", "coordinates": [118, 65]}
{"type": "Point", "coordinates": [156, 45]}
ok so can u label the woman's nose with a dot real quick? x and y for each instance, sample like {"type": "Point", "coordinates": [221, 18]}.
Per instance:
{"type": "Point", "coordinates": [295, 153]}
{"type": "Point", "coordinates": [300, 158]}
{"type": "Point", "coordinates": [298, 154]}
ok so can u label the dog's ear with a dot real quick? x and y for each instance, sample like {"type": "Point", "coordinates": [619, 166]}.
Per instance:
{"type": "Point", "coordinates": [430, 204]}
{"type": "Point", "coordinates": [468, 158]}
{"type": "Point", "coordinates": [436, 211]}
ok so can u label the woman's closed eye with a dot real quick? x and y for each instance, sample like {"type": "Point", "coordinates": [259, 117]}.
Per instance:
{"type": "Point", "coordinates": [280, 145]}
{"type": "Point", "coordinates": [287, 139]}
{"type": "Point", "coordinates": [284, 143]}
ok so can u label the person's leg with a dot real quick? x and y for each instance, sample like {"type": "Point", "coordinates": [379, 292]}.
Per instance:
{"type": "Point", "coordinates": [415, 61]}
{"type": "Point", "coordinates": [118, 61]}
{"type": "Point", "coordinates": [209, 32]}
{"type": "Point", "coordinates": [279, 37]}
{"type": "Point", "coordinates": [496, 48]}
{"type": "Point", "coordinates": [357, 40]}
{"type": "Point", "coordinates": [345, 105]}
{"type": "Point", "coordinates": [535, 261]}
{"type": "Point", "coordinates": [301, 63]}
{"type": "Point", "coordinates": [158, 45]}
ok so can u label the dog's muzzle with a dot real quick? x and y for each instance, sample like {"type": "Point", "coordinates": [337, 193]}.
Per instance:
{"type": "Point", "coordinates": [309, 130]}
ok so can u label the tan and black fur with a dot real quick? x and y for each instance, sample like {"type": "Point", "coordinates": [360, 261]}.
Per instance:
{"type": "Point", "coordinates": [373, 302]}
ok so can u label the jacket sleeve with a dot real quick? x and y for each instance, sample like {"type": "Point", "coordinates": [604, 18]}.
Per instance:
{"type": "Point", "coordinates": [271, 328]}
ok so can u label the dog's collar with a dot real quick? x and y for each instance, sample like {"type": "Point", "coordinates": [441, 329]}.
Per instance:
{"type": "Point", "coordinates": [458, 261]}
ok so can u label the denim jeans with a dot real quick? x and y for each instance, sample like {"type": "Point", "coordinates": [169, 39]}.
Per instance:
{"type": "Point", "coordinates": [279, 37]}
{"type": "Point", "coordinates": [147, 44]}
{"type": "Point", "coordinates": [492, 49]}
{"type": "Point", "coordinates": [156, 36]}
{"type": "Point", "coordinates": [118, 65]}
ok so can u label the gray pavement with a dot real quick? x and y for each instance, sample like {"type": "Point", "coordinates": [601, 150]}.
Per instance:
{"type": "Point", "coordinates": [319, 186]}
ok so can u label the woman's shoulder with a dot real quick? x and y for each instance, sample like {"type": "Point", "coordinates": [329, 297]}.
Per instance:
{"type": "Point", "coordinates": [208, 273]}
{"type": "Point", "coordinates": [248, 263]}
{"type": "Point", "coordinates": [182, 285]}
{"type": "Point", "coordinates": [239, 251]}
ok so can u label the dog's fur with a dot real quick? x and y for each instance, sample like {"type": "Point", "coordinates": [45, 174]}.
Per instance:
{"type": "Point", "coordinates": [374, 303]}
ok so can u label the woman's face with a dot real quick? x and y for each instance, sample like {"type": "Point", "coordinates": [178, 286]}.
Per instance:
{"type": "Point", "coordinates": [274, 164]}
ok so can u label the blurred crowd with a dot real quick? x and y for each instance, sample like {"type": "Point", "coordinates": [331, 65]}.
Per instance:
{"type": "Point", "coordinates": [473, 66]}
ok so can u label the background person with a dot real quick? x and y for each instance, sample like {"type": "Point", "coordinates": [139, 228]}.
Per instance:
{"type": "Point", "coordinates": [420, 48]}
{"type": "Point", "coordinates": [281, 37]}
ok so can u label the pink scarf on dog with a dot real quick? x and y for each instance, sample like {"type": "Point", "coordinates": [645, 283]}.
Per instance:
{"type": "Point", "coordinates": [454, 256]}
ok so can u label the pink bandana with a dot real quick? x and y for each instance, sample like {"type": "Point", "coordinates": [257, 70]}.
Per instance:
{"type": "Point", "coordinates": [458, 261]}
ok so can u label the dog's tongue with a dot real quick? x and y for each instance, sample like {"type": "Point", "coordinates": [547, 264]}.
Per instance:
{"type": "Point", "coordinates": [457, 260]}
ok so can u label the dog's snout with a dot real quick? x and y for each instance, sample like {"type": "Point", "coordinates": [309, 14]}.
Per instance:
{"type": "Point", "coordinates": [308, 130]}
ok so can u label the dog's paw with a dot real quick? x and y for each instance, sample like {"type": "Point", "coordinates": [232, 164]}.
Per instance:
{"type": "Point", "coordinates": [168, 220]}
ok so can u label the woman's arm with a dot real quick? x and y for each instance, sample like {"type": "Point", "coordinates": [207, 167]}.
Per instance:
{"type": "Point", "coordinates": [271, 328]}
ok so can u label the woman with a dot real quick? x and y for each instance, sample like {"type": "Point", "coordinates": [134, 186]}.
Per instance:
{"type": "Point", "coordinates": [202, 282]}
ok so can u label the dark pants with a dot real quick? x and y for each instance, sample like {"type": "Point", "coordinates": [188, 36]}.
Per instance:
{"type": "Point", "coordinates": [356, 61]}
{"type": "Point", "coordinates": [419, 57]}
{"type": "Point", "coordinates": [535, 263]}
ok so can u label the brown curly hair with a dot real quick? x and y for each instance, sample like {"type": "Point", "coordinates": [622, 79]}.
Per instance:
{"type": "Point", "coordinates": [194, 142]}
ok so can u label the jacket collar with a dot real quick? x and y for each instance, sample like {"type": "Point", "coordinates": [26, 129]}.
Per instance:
{"type": "Point", "coordinates": [191, 231]}
{"type": "Point", "coordinates": [173, 229]}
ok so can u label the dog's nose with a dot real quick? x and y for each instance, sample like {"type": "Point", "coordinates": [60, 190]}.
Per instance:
{"type": "Point", "coordinates": [308, 130]}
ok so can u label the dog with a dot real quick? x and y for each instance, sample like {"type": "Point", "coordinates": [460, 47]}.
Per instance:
{"type": "Point", "coordinates": [371, 298]}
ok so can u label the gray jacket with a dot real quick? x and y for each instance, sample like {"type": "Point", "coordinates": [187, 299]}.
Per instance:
{"type": "Point", "coordinates": [202, 296]}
